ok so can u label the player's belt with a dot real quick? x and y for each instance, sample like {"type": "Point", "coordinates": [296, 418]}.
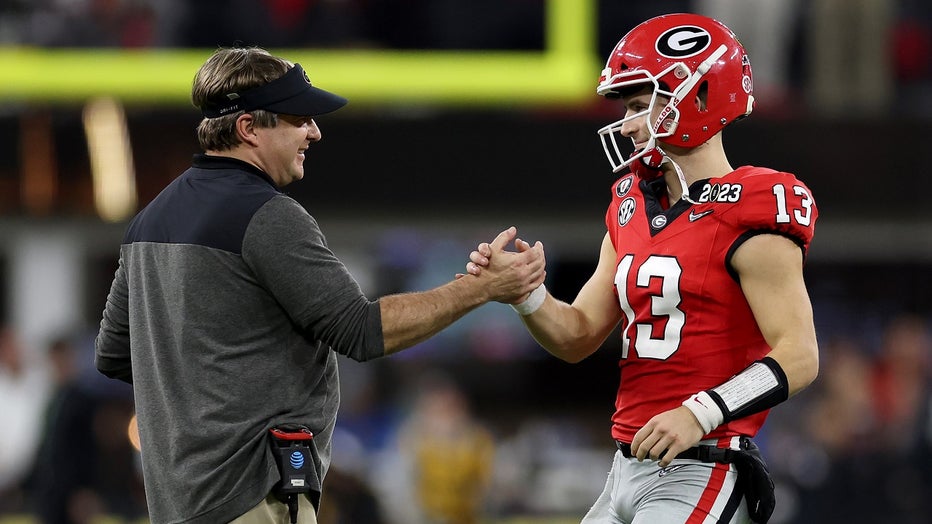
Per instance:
{"type": "Point", "coordinates": [696, 453]}
{"type": "Point", "coordinates": [703, 453]}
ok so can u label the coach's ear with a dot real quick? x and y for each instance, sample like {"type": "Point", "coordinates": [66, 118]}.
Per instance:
{"type": "Point", "coordinates": [246, 129]}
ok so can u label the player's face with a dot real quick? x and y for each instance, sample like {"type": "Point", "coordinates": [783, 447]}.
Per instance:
{"type": "Point", "coordinates": [284, 145]}
{"type": "Point", "coordinates": [637, 129]}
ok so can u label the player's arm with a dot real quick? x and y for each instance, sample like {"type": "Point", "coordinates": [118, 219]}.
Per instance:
{"type": "Point", "coordinates": [770, 271]}
{"type": "Point", "coordinates": [770, 268]}
{"type": "Point", "coordinates": [574, 331]}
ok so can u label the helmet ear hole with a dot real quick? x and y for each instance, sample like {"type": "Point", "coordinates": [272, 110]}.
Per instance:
{"type": "Point", "coordinates": [702, 97]}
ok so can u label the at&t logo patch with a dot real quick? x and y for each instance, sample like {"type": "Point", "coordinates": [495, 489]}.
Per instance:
{"type": "Point", "coordinates": [297, 459]}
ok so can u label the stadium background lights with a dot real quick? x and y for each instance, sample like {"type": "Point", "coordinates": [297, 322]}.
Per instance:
{"type": "Point", "coordinates": [111, 159]}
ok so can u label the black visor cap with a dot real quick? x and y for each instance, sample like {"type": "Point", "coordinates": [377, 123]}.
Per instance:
{"type": "Point", "coordinates": [290, 94]}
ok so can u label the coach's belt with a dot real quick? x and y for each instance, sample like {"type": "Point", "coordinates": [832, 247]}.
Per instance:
{"type": "Point", "coordinates": [703, 453]}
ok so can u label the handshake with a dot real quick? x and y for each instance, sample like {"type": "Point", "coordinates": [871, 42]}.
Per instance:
{"type": "Point", "coordinates": [509, 277]}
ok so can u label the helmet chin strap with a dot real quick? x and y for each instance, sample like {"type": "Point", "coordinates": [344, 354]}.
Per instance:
{"type": "Point", "coordinates": [648, 167]}
{"type": "Point", "coordinates": [647, 164]}
{"type": "Point", "coordinates": [679, 174]}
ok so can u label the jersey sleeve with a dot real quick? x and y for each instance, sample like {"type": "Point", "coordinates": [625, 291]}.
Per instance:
{"type": "Point", "coordinates": [111, 347]}
{"type": "Point", "coordinates": [776, 202]}
{"type": "Point", "coordinates": [289, 255]}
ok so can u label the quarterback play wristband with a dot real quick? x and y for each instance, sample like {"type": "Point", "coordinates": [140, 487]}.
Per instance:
{"type": "Point", "coordinates": [761, 386]}
{"type": "Point", "coordinates": [533, 301]}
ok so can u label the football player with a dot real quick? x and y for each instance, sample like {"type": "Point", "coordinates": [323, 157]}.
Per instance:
{"type": "Point", "coordinates": [702, 265]}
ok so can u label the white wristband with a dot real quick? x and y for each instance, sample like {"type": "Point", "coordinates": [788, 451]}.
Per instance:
{"type": "Point", "coordinates": [705, 409]}
{"type": "Point", "coordinates": [533, 301]}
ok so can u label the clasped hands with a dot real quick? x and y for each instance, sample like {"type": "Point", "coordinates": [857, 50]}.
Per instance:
{"type": "Point", "coordinates": [509, 276]}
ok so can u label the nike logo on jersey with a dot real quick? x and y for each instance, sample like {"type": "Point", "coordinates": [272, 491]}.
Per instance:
{"type": "Point", "coordinates": [693, 216]}
{"type": "Point", "coordinates": [669, 469]}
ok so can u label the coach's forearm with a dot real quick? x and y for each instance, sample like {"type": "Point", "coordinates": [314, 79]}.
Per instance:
{"type": "Point", "coordinates": [409, 318]}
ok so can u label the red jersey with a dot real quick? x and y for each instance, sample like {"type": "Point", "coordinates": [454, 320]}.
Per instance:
{"type": "Point", "coordinates": [686, 324]}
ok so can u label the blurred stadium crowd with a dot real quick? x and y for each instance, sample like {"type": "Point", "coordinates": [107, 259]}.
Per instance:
{"type": "Point", "coordinates": [461, 433]}
{"type": "Point", "coordinates": [478, 425]}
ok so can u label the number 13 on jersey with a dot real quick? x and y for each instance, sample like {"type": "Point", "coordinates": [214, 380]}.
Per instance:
{"type": "Point", "coordinates": [651, 294]}
{"type": "Point", "coordinates": [803, 215]}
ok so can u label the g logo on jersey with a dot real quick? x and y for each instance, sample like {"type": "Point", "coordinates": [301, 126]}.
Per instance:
{"type": "Point", "coordinates": [624, 185]}
{"type": "Point", "coordinates": [626, 211]}
{"type": "Point", "coordinates": [683, 41]}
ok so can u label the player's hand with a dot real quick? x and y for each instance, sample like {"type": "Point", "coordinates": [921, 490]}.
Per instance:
{"type": "Point", "coordinates": [667, 435]}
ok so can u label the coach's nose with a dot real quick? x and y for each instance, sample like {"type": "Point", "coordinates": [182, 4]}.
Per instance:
{"type": "Point", "coordinates": [313, 132]}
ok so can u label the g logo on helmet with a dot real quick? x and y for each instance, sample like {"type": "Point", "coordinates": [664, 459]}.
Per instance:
{"type": "Point", "coordinates": [683, 41]}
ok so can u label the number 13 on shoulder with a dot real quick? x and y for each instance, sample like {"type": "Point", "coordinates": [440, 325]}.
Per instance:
{"type": "Point", "coordinates": [802, 214]}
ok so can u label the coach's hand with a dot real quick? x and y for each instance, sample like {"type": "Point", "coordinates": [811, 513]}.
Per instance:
{"type": "Point", "coordinates": [667, 435]}
{"type": "Point", "coordinates": [511, 275]}
{"type": "Point", "coordinates": [480, 258]}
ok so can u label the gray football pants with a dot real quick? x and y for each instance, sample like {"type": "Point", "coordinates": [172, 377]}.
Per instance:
{"type": "Point", "coordinates": [685, 492]}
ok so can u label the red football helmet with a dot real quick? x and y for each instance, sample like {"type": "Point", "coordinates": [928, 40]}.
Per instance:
{"type": "Point", "coordinates": [681, 56]}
